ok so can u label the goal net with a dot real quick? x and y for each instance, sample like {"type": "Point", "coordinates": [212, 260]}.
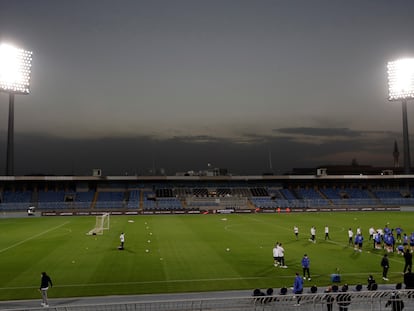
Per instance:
{"type": "Point", "coordinates": [101, 224]}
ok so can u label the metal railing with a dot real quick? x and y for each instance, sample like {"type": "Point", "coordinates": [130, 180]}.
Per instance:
{"type": "Point", "coordinates": [354, 301]}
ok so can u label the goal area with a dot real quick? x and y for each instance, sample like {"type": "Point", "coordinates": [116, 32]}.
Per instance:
{"type": "Point", "coordinates": [101, 224]}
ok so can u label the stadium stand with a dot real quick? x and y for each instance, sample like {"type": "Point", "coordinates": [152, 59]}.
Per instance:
{"type": "Point", "coordinates": [393, 197]}
{"type": "Point", "coordinates": [15, 200]}
{"type": "Point", "coordinates": [312, 196]}
{"type": "Point", "coordinates": [84, 200]}
{"type": "Point", "coordinates": [52, 200]}
{"type": "Point", "coordinates": [177, 194]}
{"type": "Point", "coordinates": [110, 199]}
{"type": "Point", "coordinates": [133, 199]}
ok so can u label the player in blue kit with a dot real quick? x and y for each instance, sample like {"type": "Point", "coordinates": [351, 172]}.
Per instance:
{"type": "Point", "coordinates": [298, 287]}
{"type": "Point", "coordinates": [305, 267]}
{"type": "Point", "coordinates": [398, 232]}
{"type": "Point", "coordinates": [359, 239]}
{"type": "Point", "coordinates": [405, 240]}
{"type": "Point", "coordinates": [412, 241]}
{"type": "Point", "coordinates": [389, 242]}
{"type": "Point", "coordinates": [377, 240]}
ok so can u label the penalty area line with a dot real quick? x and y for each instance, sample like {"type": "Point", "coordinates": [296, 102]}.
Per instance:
{"type": "Point", "coordinates": [33, 237]}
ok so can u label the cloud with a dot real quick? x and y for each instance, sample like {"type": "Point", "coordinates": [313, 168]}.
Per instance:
{"type": "Point", "coordinates": [248, 154]}
{"type": "Point", "coordinates": [318, 131]}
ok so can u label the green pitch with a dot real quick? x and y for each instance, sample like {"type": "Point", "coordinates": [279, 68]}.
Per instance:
{"type": "Point", "coordinates": [183, 253]}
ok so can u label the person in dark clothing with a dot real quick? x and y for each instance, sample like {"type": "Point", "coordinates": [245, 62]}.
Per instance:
{"type": "Point", "coordinates": [329, 299]}
{"type": "Point", "coordinates": [258, 293]}
{"type": "Point", "coordinates": [395, 302]}
{"type": "Point", "coordinates": [343, 300]}
{"type": "Point", "coordinates": [269, 294]}
{"type": "Point", "coordinates": [329, 302]}
{"type": "Point", "coordinates": [305, 266]}
{"type": "Point", "coordinates": [409, 280]}
{"type": "Point", "coordinates": [408, 258]}
{"type": "Point", "coordinates": [298, 287]}
{"type": "Point", "coordinates": [371, 282]}
{"type": "Point", "coordinates": [44, 286]}
{"type": "Point", "coordinates": [385, 264]}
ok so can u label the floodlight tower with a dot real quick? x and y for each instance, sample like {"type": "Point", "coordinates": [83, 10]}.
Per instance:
{"type": "Point", "coordinates": [401, 87]}
{"type": "Point", "coordinates": [15, 69]}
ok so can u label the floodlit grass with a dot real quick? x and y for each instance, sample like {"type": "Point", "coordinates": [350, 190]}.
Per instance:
{"type": "Point", "coordinates": [186, 253]}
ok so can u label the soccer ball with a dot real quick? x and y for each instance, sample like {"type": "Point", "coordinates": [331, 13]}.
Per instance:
{"type": "Point", "coordinates": [228, 249]}
{"type": "Point", "coordinates": [147, 250]}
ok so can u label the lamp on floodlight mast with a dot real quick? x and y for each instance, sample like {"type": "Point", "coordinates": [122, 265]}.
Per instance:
{"type": "Point", "coordinates": [401, 88]}
{"type": "Point", "coordinates": [15, 70]}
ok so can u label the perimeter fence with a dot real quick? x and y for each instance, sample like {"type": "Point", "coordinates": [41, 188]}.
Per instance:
{"type": "Point", "coordinates": [352, 301]}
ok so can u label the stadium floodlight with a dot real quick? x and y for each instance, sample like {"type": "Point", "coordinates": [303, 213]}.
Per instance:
{"type": "Point", "coordinates": [401, 79]}
{"type": "Point", "coordinates": [15, 70]}
{"type": "Point", "coordinates": [401, 87]}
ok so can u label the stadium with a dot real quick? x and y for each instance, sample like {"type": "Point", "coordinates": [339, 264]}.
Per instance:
{"type": "Point", "coordinates": [200, 242]}
{"type": "Point", "coordinates": [124, 85]}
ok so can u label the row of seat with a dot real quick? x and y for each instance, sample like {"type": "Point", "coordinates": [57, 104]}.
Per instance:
{"type": "Point", "coordinates": [167, 198]}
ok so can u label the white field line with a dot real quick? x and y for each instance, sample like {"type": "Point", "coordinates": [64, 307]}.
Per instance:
{"type": "Point", "coordinates": [33, 237]}
{"type": "Point", "coordinates": [168, 281]}
{"type": "Point", "coordinates": [227, 228]}
{"type": "Point", "coordinates": [141, 282]}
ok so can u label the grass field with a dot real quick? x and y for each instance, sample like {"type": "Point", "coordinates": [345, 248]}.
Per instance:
{"type": "Point", "coordinates": [185, 252]}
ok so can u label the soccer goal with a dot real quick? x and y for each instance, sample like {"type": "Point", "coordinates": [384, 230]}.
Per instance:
{"type": "Point", "coordinates": [101, 224]}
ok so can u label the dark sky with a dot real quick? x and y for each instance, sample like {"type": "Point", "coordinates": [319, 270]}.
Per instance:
{"type": "Point", "coordinates": [129, 85]}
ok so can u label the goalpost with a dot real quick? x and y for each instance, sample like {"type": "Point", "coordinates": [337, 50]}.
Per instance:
{"type": "Point", "coordinates": [101, 224]}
